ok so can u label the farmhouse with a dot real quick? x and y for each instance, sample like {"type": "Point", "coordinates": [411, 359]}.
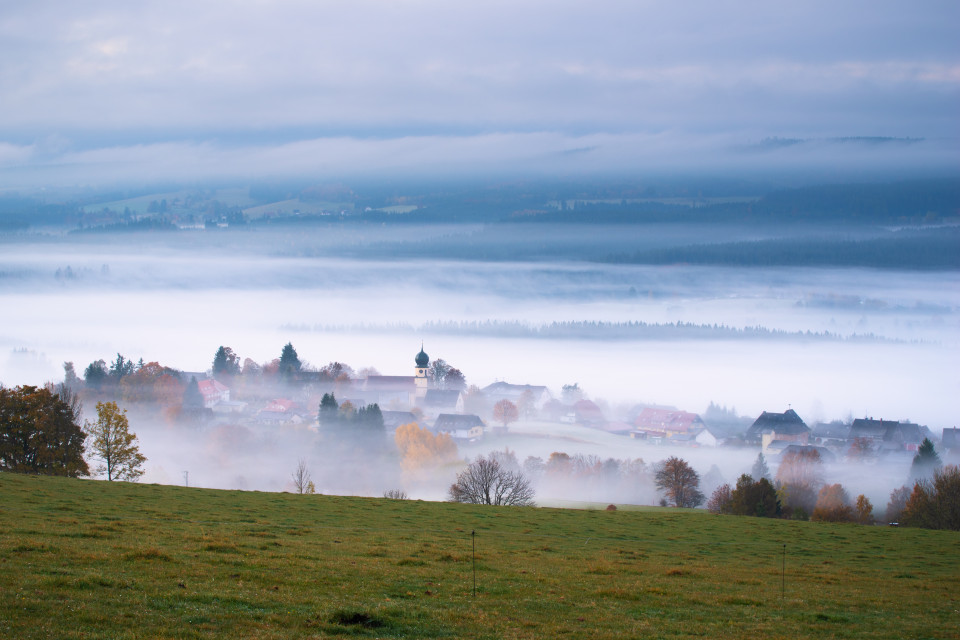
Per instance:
{"type": "Point", "coordinates": [772, 427]}
{"type": "Point", "coordinates": [213, 392]}
{"type": "Point", "coordinates": [459, 427]}
{"type": "Point", "coordinates": [537, 395]}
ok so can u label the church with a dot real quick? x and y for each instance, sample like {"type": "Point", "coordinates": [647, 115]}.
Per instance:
{"type": "Point", "coordinates": [400, 392]}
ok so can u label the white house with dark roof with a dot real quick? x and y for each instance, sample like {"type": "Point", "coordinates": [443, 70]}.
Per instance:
{"type": "Point", "coordinates": [459, 427]}
{"type": "Point", "coordinates": [771, 427]}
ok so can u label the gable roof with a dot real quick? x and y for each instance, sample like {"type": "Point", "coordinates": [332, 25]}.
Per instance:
{"type": "Point", "coordinates": [950, 438]}
{"type": "Point", "coordinates": [787, 423]}
{"type": "Point", "coordinates": [210, 387]}
{"type": "Point", "coordinates": [456, 422]}
{"type": "Point", "coordinates": [394, 419]}
{"type": "Point", "coordinates": [654, 419]}
{"type": "Point", "coordinates": [511, 391]}
{"type": "Point", "coordinates": [441, 397]}
{"type": "Point", "coordinates": [390, 383]}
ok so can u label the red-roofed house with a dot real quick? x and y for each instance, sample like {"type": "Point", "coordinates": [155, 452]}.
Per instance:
{"type": "Point", "coordinates": [668, 423]}
{"type": "Point", "coordinates": [213, 392]}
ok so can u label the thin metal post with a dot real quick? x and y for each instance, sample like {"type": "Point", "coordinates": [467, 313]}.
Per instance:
{"type": "Point", "coordinates": [473, 536]}
{"type": "Point", "coordinates": [783, 574]}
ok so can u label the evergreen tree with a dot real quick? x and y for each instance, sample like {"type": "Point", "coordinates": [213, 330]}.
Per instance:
{"type": "Point", "coordinates": [329, 410]}
{"type": "Point", "coordinates": [192, 398]}
{"type": "Point", "coordinates": [760, 468]}
{"type": "Point", "coordinates": [925, 462]}
{"type": "Point", "coordinates": [95, 374]}
{"type": "Point", "coordinates": [290, 363]}
{"type": "Point", "coordinates": [225, 363]}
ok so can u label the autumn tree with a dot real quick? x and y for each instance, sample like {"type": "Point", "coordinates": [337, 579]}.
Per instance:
{"type": "Point", "coordinates": [487, 481]}
{"type": "Point", "coordinates": [863, 510]}
{"type": "Point", "coordinates": [39, 433]}
{"type": "Point", "coordinates": [421, 449]}
{"type": "Point", "coordinates": [114, 445]}
{"type": "Point", "coordinates": [505, 412]}
{"type": "Point", "coordinates": [455, 380]}
{"type": "Point", "coordinates": [719, 501]}
{"type": "Point", "coordinates": [935, 503]}
{"type": "Point", "coordinates": [897, 503]}
{"type": "Point", "coordinates": [799, 479]}
{"type": "Point", "coordinates": [679, 482]}
{"type": "Point", "coordinates": [833, 505]}
{"type": "Point", "coordinates": [861, 450]}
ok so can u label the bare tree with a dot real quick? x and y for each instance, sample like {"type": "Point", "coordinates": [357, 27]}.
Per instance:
{"type": "Point", "coordinates": [301, 478]}
{"type": "Point", "coordinates": [679, 482]}
{"type": "Point", "coordinates": [395, 494]}
{"type": "Point", "coordinates": [485, 481]}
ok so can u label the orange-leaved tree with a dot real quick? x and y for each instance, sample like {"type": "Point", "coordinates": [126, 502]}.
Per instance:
{"type": "Point", "coordinates": [421, 449]}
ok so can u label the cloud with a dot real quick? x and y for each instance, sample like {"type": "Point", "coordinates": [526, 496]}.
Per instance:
{"type": "Point", "coordinates": [140, 79]}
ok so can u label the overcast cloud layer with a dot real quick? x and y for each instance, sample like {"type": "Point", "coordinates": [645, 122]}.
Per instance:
{"type": "Point", "coordinates": [108, 90]}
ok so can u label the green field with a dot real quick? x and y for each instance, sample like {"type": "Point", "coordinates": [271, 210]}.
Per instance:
{"type": "Point", "coordinates": [91, 559]}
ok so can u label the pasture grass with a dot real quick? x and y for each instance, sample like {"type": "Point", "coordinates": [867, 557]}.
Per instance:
{"type": "Point", "coordinates": [92, 559]}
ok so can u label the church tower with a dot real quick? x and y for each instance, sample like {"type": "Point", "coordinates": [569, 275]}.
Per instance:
{"type": "Point", "coordinates": [421, 380]}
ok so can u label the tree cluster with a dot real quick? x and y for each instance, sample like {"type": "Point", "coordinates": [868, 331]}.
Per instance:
{"type": "Point", "coordinates": [749, 498]}
{"type": "Point", "coordinates": [934, 503]}
{"type": "Point", "coordinates": [345, 419]}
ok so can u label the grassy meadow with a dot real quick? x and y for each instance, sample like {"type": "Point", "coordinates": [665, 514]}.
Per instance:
{"type": "Point", "coordinates": [91, 559]}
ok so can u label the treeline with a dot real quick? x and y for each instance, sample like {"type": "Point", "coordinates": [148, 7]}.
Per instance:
{"type": "Point", "coordinates": [595, 330]}
{"type": "Point", "coordinates": [917, 201]}
{"type": "Point", "coordinates": [925, 251]}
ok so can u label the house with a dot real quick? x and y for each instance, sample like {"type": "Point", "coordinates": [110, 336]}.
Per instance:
{"type": "Point", "coordinates": [392, 420]}
{"type": "Point", "coordinates": [459, 427]}
{"type": "Point", "coordinates": [950, 440]}
{"type": "Point", "coordinates": [770, 427]}
{"type": "Point", "coordinates": [537, 395]}
{"type": "Point", "coordinates": [709, 437]}
{"type": "Point", "coordinates": [667, 423]}
{"type": "Point", "coordinates": [442, 400]}
{"type": "Point", "coordinates": [889, 435]}
{"type": "Point", "coordinates": [826, 456]}
{"type": "Point", "coordinates": [281, 411]}
{"type": "Point", "coordinates": [588, 413]}
{"type": "Point", "coordinates": [213, 392]}
{"type": "Point", "coordinates": [831, 434]}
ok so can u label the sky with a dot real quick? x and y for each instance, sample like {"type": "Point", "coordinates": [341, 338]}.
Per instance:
{"type": "Point", "coordinates": [110, 91]}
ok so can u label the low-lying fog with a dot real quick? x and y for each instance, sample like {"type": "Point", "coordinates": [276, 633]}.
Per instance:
{"type": "Point", "coordinates": [891, 351]}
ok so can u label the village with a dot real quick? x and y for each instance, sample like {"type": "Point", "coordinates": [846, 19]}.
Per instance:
{"type": "Point", "coordinates": [436, 397]}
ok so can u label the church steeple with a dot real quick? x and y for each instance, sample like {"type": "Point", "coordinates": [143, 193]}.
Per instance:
{"type": "Point", "coordinates": [423, 361]}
